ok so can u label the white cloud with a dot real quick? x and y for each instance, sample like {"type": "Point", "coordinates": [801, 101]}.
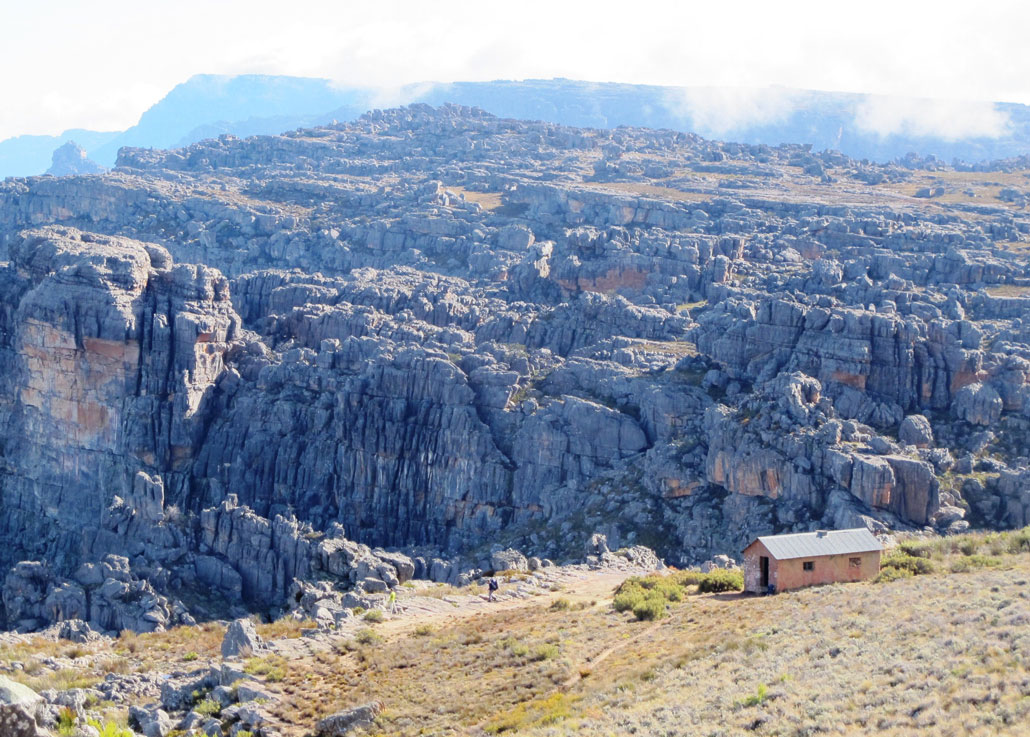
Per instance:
{"type": "Point", "coordinates": [947, 119]}
{"type": "Point", "coordinates": [722, 111]}
{"type": "Point", "coordinates": [101, 64]}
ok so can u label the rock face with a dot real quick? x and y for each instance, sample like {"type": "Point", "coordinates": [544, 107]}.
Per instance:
{"type": "Point", "coordinates": [293, 369]}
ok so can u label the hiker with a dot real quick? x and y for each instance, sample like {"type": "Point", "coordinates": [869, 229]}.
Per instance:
{"type": "Point", "coordinates": [393, 602]}
{"type": "Point", "coordinates": [492, 586]}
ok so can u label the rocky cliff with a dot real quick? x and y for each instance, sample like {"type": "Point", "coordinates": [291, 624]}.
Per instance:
{"type": "Point", "coordinates": [390, 348]}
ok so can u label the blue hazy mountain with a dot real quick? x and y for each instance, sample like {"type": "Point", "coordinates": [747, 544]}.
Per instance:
{"type": "Point", "coordinates": [862, 126]}
{"type": "Point", "coordinates": [247, 104]}
{"type": "Point", "coordinates": [24, 156]}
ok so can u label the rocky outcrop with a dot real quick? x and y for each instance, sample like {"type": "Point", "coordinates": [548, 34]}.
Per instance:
{"type": "Point", "coordinates": [70, 159]}
{"type": "Point", "coordinates": [321, 363]}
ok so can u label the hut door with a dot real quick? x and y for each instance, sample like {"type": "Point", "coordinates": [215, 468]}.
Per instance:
{"type": "Point", "coordinates": [763, 567]}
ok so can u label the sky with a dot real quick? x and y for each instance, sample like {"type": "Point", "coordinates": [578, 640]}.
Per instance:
{"type": "Point", "coordinates": [101, 64]}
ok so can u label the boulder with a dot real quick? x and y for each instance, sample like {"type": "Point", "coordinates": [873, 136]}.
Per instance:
{"type": "Point", "coordinates": [18, 706]}
{"type": "Point", "coordinates": [915, 430]}
{"type": "Point", "coordinates": [508, 560]}
{"type": "Point", "coordinates": [978, 404]}
{"type": "Point", "coordinates": [241, 639]}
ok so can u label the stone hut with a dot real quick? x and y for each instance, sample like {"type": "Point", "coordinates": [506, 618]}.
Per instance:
{"type": "Point", "coordinates": [775, 563]}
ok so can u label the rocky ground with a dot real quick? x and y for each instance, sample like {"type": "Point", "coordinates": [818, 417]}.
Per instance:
{"type": "Point", "coordinates": [433, 343]}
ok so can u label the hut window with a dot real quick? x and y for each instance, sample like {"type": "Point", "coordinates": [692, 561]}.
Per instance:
{"type": "Point", "coordinates": [855, 562]}
{"type": "Point", "coordinates": [808, 565]}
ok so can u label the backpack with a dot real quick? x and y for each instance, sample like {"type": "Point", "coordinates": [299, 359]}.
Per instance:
{"type": "Point", "coordinates": [493, 584]}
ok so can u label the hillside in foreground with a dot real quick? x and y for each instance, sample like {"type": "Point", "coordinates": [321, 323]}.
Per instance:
{"type": "Point", "coordinates": [944, 652]}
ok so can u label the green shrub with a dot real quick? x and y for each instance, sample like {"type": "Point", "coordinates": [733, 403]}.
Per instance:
{"type": "Point", "coordinates": [917, 548]}
{"type": "Point", "coordinates": [627, 598]}
{"type": "Point", "coordinates": [560, 605]}
{"type": "Point", "coordinates": [208, 708]}
{"type": "Point", "coordinates": [1019, 541]}
{"type": "Point", "coordinates": [721, 580]}
{"type": "Point", "coordinates": [545, 652]}
{"type": "Point", "coordinates": [375, 616]}
{"type": "Point", "coordinates": [190, 656]}
{"type": "Point", "coordinates": [968, 546]}
{"type": "Point", "coordinates": [367, 637]}
{"type": "Point", "coordinates": [974, 562]}
{"type": "Point", "coordinates": [688, 578]}
{"type": "Point", "coordinates": [423, 630]}
{"type": "Point", "coordinates": [649, 609]}
{"type": "Point", "coordinates": [887, 575]}
{"type": "Point", "coordinates": [915, 565]}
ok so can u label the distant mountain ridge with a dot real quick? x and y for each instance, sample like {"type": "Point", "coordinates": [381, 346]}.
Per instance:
{"type": "Point", "coordinates": [861, 126]}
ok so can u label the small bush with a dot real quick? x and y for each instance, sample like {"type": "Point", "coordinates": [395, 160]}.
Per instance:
{"type": "Point", "coordinates": [545, 652]}
{"type": "Point", "coordinates": [1019, 541]}
{"type": "Point", "coordinates": [190, 656]}
{"type": "Point", "coordinates": [649, 609]}
{"type": "Point", "coordinates": [688, 578]}
{"type": "Point", "coordinates": [627, 598]}
{"type": "Point", "coordinates": [968, 546]}
{"type": "Point", "coordinates": [375, 616]}
{"type": "Point", "coordinates": [560, 605]}
{"type": "Point", "coordinates": [423, 630]}
{"type": "Point", "coordinates": [208, 708]}
{"type": "Point", "coordinates": [917, 548]}
{"type": "Point", "coordinates": [721, 580]}
{"type": "Point", "coordinates": [887, 575]}
{"type": "Point", "coordinates": [915, 565]}
{"type": "Point", "coordinates": [367, 637]}
{"type": "Point", "coordinates": [974, 562]}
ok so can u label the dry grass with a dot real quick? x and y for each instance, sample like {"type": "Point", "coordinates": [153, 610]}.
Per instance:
{"type": "Point", "coordinates": [943, 653]}
{"type": "Point", "coordinates": [285, 628]}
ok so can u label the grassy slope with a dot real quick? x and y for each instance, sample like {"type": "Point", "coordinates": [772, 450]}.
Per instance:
{"type": "Point", "coordinates": [939, 654]}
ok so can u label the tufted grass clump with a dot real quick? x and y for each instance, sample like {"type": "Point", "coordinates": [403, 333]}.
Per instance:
{"type": "Point", "coordinates": [272, 668]}
{"type": "Point", "coordinates": [374, 616]}
{"type": "Point", "coordinates": [66, 722]}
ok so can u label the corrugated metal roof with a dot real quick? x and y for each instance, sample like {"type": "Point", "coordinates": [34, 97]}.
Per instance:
{"type": "Point", "coordinates": [823, 542]}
